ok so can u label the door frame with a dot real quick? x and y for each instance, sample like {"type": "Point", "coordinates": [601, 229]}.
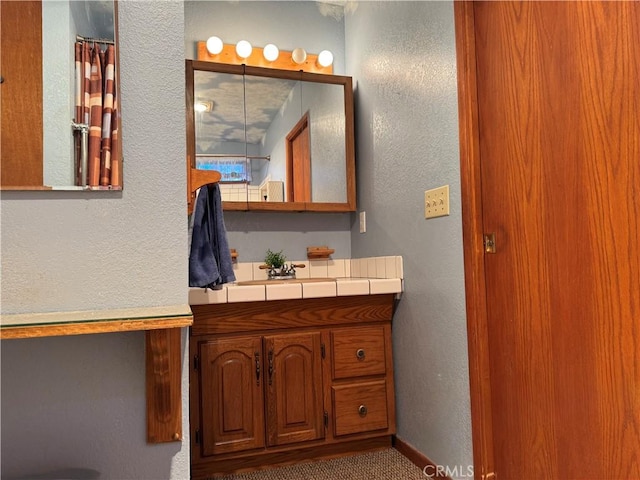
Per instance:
{"type": "Point", "coordinates": [295, 164]}
{"type": "Point", "coordinates": [472, 235]}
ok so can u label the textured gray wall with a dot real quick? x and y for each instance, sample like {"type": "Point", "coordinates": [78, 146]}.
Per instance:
{"type": "Point", "coordinates": [402, 55]}
{"type": "Point", "coordinates": [287, 24]}
{"type": "Point", "coordinates": [79, 401]}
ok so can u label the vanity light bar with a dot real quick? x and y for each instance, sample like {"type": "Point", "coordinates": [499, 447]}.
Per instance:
{"type": "Point", "coordinates": [269, 56]}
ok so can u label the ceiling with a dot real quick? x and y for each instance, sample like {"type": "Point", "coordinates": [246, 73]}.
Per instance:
{"type": "Point", "coordinates": [262, 97]}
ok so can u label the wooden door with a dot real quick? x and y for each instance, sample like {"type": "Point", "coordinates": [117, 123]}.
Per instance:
{"type": "Point", "coordinates": [552, 167]}
{"type": "Point", "coordinates": [232, 398]}
{"type": "Point", "coordinates": [294, 388]}
{"type": "Point", "coordinates": [299, 162]}
{"type": "Point", "coordinates": [21, 94]}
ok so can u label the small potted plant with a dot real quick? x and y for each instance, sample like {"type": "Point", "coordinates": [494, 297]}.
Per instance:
{"type": "Point", "coordinates": [275, 259]}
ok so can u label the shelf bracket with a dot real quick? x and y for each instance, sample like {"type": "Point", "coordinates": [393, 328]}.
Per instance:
{"type": "Point", "coordinates": [163, 383]}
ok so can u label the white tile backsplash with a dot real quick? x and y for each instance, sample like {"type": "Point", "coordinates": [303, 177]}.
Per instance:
{"type": "Point", "coordinates": [258, 273]}
{"type": "Point", "coordinates": [386, 267]}
{"type": "Point", "coordinates": [381, 267]}
{"type": "Point", "coordinates": [399, 268]}
{"type": "Point", "coordinates": [371, 267]}
{"type": "Point", "coordinates": [302, 272]}
{"type": "Point", "coordinates": [336, 268]}
{"type": "Point", "coordinates": [318, 269]}
{"type": "Point", "coordinates": [364, 267]}
{"type": "Point", "coordinates": [390, 267]}
{"type": "Point", "coordinates": [243, 271]}
{"type": "Point", "coordinates": [355, 268]}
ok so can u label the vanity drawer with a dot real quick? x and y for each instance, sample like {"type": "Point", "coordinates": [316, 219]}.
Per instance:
{"type": "Point", "coordinates": [360, 407]}
{"type": "Point", "coordinates": [358, 352]}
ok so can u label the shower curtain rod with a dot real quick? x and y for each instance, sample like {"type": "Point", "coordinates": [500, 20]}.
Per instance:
{"type": "Point", "coordinates": [222, 155]}
{"type": "Point", "coordinates": [80, 38]}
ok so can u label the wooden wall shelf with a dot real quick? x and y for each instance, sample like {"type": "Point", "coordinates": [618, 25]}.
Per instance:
{"type": "Point", "coordinates": [31, 325]}
{"type": "Point", "coordinates": [163, 352]}
{"type": "Point", "coordinates": [319, 253]}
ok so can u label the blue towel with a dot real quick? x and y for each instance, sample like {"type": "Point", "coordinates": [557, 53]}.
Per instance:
{"type": "Point", "coordinates": [210, 261]}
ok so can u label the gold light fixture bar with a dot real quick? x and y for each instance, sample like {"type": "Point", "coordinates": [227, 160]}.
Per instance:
{"type": "Point", "coordinates": [284, 61]}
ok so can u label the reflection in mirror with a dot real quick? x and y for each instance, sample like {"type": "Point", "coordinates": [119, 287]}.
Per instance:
{"type": "Point", "coordinates": [38, 149]}
{"type": "Point", "coordinates": [273, 108]}
{"type": "Point", "coordinates": [282, 140]}
{"type": "Point", "coordinates": [220, 130]}
{"type": "Point", "coordinates": [324, 103]}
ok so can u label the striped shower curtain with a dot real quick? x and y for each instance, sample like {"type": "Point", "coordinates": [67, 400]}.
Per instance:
{"type": "Point", "coordinates": [96, 107]}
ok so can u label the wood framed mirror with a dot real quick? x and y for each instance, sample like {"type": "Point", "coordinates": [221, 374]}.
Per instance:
{"type": "Point", "coordinates": [282, 140]}
{"type": "Point", "coordinates": [53, 136]}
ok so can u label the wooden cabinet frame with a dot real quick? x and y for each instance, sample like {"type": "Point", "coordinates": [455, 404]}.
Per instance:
{"type": "Point", "coordinates": [298, 344]}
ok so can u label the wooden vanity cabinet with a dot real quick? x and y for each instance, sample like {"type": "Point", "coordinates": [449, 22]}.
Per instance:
{"type": "Point", "coordinates": [231, 393]}
{"type": "Point", "coordinates": [281, 381]}
{"type": "Point", "coordinates": [294, 388]}
{"type": "Point", "coordinates": [249, 380]}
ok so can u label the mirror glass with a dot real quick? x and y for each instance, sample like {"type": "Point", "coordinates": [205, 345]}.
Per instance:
{"type": "Point", "coordinates": [279, 138]}
{"type": "Point", "coordinates": [220, 137]}
{"type": "Point", "coordinates": [49, 161]}
{"type": "Point", "coordinates": [273, 109]}
{"type": "Point", "coordinates": [327, 122]}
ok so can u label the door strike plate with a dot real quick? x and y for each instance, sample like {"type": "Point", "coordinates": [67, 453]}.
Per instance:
{"type": "Point", "coordinates": [490, 242]}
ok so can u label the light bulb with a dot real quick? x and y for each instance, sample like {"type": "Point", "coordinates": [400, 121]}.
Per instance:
{"type": "Point", "coordinates": [243, 49]}
{"type": "Point", "coordinates": [325, 58]}
{"type": "Point", "coordinates": [299, 56]}
{"type": "Point", "coordinates": [270, 52]}
{"type": "Point", "coordinates": [203, 106]}
{"type": "Point", "coordinates": [214, 45]}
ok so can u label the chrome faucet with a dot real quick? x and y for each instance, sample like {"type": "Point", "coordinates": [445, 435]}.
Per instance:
{"type": "Point", "coordinates": [283, 273]}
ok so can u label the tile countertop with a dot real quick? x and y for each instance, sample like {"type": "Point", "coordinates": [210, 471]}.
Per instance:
{"type": "Point", "coordinates": [362, 276]}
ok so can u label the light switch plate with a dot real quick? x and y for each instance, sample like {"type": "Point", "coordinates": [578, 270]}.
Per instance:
{"type": "Point", "coordinates": [363, 222]}
{"type": "Point", "coordinates": [436, 202]}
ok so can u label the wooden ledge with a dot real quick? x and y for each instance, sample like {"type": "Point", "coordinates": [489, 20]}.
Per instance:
{"type": "Point", "coordinates": [31, 325]}
{"type": "Point", "coordinates": [163, 352]}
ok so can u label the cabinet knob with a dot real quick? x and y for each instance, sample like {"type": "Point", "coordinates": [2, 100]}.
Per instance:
{"type": "Point", "coordinates": [362, 410]}
{"type": "Point", "coordinates": [360, 354]}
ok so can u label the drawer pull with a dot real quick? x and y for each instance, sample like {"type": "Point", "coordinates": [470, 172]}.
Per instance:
{"type": "Point", "coordinates": [360, 354]}
{"type": "Point", "coordinates": [271, 369]}
{"type": "Point", "coordinates": [362, 410]}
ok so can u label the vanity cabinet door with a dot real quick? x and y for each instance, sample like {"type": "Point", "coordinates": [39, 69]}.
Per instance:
{"type": "Point", "coordinates": [232, 398]}
{"type": "Point", "coordinates": [294, 388]}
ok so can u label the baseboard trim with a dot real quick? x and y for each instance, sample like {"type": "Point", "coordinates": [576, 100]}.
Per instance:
{"type": "Point", "coordinates": [422, 461]}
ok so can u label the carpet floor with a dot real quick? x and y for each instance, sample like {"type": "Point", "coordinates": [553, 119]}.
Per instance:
{"type": "Point", "coordinates": [386, 464]}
